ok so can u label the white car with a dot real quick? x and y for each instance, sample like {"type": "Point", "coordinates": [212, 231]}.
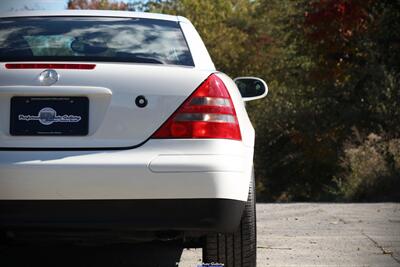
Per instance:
{"type": "Point", "coordinates": [118, 122]}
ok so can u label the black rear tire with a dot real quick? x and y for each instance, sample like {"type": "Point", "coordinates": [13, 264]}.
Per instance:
{"type": "Point", "coordinates": [238, 249]}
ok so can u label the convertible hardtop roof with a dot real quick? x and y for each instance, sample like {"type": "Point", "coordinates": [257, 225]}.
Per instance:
{"type": "Point", "coordinates": [93, 13]}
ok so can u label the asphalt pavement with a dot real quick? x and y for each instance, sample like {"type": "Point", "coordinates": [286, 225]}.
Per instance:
{"type": "Point", "coordinates": [323, 235]}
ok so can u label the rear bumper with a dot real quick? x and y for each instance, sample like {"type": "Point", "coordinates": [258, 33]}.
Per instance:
{"type": "Point", "coordinates": [160, 169]}
{"type": "Point", "coordinates": [221, 215]}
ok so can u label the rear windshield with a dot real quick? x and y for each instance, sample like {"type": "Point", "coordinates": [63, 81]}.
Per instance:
{"type": "Point", "coordinates": [93, 39]}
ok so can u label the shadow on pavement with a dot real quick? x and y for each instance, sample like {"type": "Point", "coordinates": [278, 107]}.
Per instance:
{"type": "Point", "coordinates": [143, 255]}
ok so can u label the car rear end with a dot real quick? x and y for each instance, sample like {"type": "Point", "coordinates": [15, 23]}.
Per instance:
{"type": "Point", "coordinates": [117, 121]}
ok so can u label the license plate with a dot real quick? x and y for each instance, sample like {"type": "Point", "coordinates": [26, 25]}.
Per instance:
{"type": "Point", "coordinates": [49, 116]}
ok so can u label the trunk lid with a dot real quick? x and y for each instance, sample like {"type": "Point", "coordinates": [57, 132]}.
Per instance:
{"type": "Point", "coordinates": [114, 119]}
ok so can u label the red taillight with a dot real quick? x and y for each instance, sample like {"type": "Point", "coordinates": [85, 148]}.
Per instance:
{"type": "Point", "coordinates": [207, 113]}
{"type": "Point", "coordinates": [50, 66]}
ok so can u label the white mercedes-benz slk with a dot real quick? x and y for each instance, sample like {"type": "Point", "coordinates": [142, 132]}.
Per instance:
{"type": "Point", "coordinates": [117, 122]}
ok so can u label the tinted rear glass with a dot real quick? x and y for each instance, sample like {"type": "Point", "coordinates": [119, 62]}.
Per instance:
{"type": "Point", "coordinates": [93, 39]}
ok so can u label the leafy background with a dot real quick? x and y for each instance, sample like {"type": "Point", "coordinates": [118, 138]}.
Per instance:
{"type": "Point", "coordinates": [329, 128]}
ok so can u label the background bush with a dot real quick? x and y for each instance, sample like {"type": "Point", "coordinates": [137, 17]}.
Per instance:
{"type": "Point", "coordinates": [371, 170]}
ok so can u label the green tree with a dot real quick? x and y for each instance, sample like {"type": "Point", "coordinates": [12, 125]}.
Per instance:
{"type": "Point", "coordinates": [338, 75]}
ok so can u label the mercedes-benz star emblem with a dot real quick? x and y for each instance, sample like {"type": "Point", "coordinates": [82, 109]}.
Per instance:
{"type": "Point", "coordinates": [48, 77]}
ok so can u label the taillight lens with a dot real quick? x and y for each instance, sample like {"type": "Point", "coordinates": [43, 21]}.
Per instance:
{"type": "Point", "coordinates": [207, 113]}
